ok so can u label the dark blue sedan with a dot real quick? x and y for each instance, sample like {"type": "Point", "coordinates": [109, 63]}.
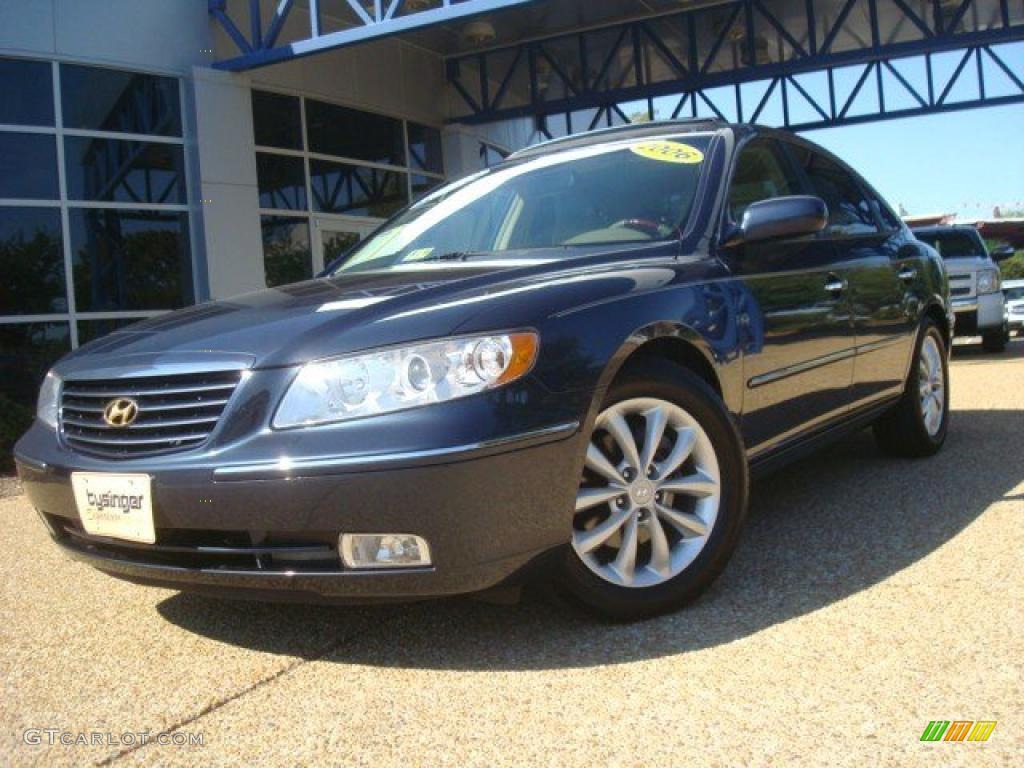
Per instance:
{"type": "Point", "coordinates": [569, 364]}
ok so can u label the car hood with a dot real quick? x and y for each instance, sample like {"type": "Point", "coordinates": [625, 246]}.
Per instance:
{"type": "Point", "coordinates": [330, 316]}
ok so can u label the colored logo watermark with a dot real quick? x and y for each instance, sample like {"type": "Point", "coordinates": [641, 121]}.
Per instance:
{"type": "Point", "coordinates": [958, 730]}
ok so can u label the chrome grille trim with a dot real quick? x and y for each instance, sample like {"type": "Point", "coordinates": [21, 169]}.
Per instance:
{"type": "Point", "coordinates": [176, 412]}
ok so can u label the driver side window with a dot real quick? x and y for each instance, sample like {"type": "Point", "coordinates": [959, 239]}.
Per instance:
{"type": "Point", "coordinates": [762, 173]}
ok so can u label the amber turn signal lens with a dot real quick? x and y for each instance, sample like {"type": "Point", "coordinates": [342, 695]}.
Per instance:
{"type": "Point", "coordinates": [524, 354]}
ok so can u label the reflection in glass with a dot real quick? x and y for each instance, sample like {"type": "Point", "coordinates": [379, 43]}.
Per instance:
{"type": "Point", "coordinates": [356, 190]}
{"type": "Point", "coordinates": [31, 262]}
{"type": "Point", "coordinates": [27, 350]}
{"type": "Point", "coordinates": [99, 99]}
{"type": "Point", "coordinates": [26, 92]}
{"type": "Point", "coordinates": [287, 257]}
{"type": "Point", "coordinates": [282, 182]}
{"type": "Point", "coordinates": [337, 244]}
{"type": "Point", "coordinates": [277, 120]}
{"type": "Point", "coordinates": [130, 260]}
{"type": "Point", "coordinates": [345, 132]}
{"type": "Point", "coordinates": [28, 166]}
{"type": "Point", "coordinates": [425, 148]}
{"type": "Point", "coordinates": [421, 185]}
{"type": "Point", "coordinates": [124, 171]}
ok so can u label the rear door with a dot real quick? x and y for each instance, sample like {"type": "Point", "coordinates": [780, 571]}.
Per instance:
{"type": "Point", "coordinates": [881, 268]}
{"type": "Point", "coordinates": [799, 371]}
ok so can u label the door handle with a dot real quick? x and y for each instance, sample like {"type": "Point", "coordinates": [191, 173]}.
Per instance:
{"type": "Point", "coordinates": [906, 274]}
{"type": "Point", "coordinates": [835, 285]}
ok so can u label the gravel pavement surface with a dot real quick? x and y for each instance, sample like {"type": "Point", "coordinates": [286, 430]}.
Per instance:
{"type": "Point", "coordinates": [868, 596]}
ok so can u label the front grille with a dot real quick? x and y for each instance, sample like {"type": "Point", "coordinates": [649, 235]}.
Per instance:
{"type": "Point", "coordinates": [174, 413]}
{"type": "Point", "coordinates": [965, 291]}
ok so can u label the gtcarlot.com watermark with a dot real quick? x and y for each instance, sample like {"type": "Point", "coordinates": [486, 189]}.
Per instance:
{"type": "Point", "coordinates": [52, 737]}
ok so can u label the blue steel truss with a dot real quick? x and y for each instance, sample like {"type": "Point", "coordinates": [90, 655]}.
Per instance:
{"type": "Point", "coordinates": [754, 53]}
{"type": "Point", "coordinates": [868, 96]}
{"type": "Point", "coordinates": [371, 19]}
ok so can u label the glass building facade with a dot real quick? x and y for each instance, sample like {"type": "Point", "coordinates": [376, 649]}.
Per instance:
{"type": "Point", "coordinates": [94, 216]}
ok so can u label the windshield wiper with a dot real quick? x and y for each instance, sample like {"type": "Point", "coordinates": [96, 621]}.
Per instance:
{"type": "Point", "coordinates": [455, 255]}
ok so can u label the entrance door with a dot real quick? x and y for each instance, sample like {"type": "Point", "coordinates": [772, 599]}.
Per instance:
{"type": "Point", "coordinates": [333, 237]}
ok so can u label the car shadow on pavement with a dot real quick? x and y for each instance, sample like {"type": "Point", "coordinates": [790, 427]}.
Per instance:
{"type": "Point", "coordinates": [819, 531]}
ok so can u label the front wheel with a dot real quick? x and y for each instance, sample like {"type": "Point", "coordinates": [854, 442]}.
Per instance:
{"type": "Point", "coordinates": [662, 495]}
{"type": "Point", "coordinates": [917, 425]}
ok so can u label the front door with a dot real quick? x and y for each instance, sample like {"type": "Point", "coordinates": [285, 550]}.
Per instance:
{"type": "Point", "coordinates": [333, 237]}
{"type": "Point", "coordinates": [800, 370]}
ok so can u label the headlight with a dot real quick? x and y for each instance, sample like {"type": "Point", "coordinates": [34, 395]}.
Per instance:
{"type": "Point", "coordinates": [988, 281]}
{"type": "Point", "coordinates": [388, 380]}
{"type": "Point", "coordinates": [48, 403]}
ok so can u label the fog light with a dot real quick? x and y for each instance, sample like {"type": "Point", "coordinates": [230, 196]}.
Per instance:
{"type": "Point", "coordinates": [383, 550]}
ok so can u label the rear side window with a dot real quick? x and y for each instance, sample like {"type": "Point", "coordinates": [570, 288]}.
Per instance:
{"type": "Point", "coordinates": [762, 173]}
{"type": "Point", "coordinates": [954, 244]}
{"type": "Point", "coordinates": [849, 211]}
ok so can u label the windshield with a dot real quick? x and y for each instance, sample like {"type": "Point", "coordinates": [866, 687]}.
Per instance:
{"type": "Point", "coordinates": [954, 244]}
{"type": "Point", "coordinates": [635, 191]}
{"type": "Point", "coordinates": [1012, 294]}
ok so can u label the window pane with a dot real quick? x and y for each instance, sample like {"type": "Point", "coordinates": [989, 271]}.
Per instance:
{"type": "Point", "coordinates": [27, 350]}
{"type": "Point", "coordinates": [761, 174]}
{"type": "Point", "coordinates": [849, 212]}
{"type": "Point", "coordinates": [31, 262]}
{"type": "Point", "coordinates": [90, 330]}
{"type": "Point", "coordinates": [282, 182]}
{"type": "Point", "coordinates": [287, 257]}
{"type": "Point", "coordinates": [344, 132]}
{"type": "Point", "coordinates": [99, 99]}
{"type": "Point", "coordinates": [277, 120]}
{"type": "Point", "coordinates": [336, 244]}
{"type": "Point", "coordinates": [425, 148]}
{"type": "Point", "coordinates": [130, 260]}
{"type": "Point", "coordinates": [26, 92]}
{"type": "Point", "coordinates": [421, 185]}
{"type": "Point", "coordinates": [355, 190]}
{"type": "Point", "coordinates": [28, 166]}
{"type": "Point", "coordinates": [124, 171]}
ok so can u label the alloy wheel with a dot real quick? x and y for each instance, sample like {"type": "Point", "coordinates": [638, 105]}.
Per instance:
{"type": "Point", "coordinates": [932, 385]}
{"type": "Point", "coordinates": [649, 495]}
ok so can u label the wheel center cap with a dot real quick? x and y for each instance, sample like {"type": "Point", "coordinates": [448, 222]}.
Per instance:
{"type": "Point", "coordinates": [642, 492]}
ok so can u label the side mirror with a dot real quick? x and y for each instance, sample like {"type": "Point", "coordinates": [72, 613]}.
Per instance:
{"type": "Point", "coordinates": [1002, 253]}
{"type": "Point", "coordinates": [779, 217]}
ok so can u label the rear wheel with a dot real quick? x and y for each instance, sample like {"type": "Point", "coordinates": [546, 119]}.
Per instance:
{"type": "Point", "coordinates": [917, 425]}
{"type": "Point", "coordinates": [662, 496]}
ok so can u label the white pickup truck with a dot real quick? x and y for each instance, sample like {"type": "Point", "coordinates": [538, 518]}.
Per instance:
{"type": "Point", "coordinates": [974, 284]}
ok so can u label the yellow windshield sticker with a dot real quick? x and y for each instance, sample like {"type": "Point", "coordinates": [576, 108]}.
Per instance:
{"type": "Point", "coordinates": [668, 152]}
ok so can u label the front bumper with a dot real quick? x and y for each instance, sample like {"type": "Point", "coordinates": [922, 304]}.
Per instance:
{"type": "Point", "coordinates": [270, 529]}
{"type": "Point", "coordinates": [977, 314]}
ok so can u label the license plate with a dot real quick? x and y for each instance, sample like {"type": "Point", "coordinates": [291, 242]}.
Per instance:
{"type": "Point", "coordinates": [116, 506]}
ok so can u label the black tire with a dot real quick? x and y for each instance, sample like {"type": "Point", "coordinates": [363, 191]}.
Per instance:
{"type": "Point", "coordinates": [661, 379]}
{"type": "Point", "coordinates": [902, 431]}
{"type": "Point", "coordinates": [994, 341]}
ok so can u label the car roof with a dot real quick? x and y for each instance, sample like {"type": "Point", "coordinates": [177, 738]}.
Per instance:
{"type": "Point", "coordinates": [632, 130]}
{"type": "Point", "coordinates": [1013, 283]}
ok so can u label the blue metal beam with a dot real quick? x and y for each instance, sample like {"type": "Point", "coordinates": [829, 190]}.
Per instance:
{"type": "Point", "coordinates": [827, 111]}
{"type": "Point", "coordinates": [728, 44]}
{"type": "Point", "coordinates": [382, 22]}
